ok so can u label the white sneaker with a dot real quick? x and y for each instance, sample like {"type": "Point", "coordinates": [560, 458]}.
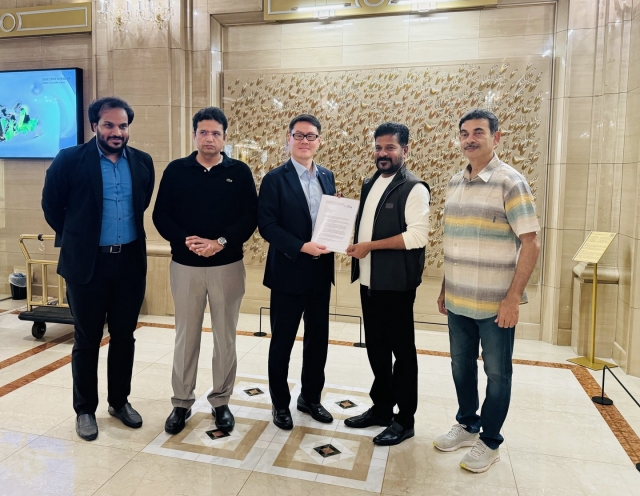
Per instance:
{"type": "Point", "coordinates": [480, 458]}
{"type": "Point", "coordinates": [456, 438]}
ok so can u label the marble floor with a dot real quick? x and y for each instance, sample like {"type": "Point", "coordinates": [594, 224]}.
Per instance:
{"type": "Point", "coordinates": [556, 441]}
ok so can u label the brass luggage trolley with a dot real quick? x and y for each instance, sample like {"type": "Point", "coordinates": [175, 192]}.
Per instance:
{"type": "Point", "coordinates": [41, 312]}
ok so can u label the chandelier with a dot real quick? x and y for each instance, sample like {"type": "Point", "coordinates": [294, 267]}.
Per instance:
{"type": "Point", "coordinates": [148, 13]}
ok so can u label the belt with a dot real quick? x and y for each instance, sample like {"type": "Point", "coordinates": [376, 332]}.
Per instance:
{"type": "Point", "coordinates": [114, 248]}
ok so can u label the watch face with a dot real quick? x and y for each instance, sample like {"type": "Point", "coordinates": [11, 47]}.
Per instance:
{"type": "Point", "coordinates": [222, 241]}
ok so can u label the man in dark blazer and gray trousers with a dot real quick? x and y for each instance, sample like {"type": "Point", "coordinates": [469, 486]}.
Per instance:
{"type": "Point", "coordinates": [94, 198]}
{"type": "Point", "coordinates": [299, 272]}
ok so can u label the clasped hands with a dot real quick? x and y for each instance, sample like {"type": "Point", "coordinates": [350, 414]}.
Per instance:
{"type": "Point", "coordinates": [203, 247]}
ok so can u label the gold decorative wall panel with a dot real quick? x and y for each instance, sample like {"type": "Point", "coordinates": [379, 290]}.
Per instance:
{"type": "Point", "coordinates": [429, 100]}
{"type": "Point", "coordinates": [287, 10]}
{"type": "Point", "coordinates": [64, 18]}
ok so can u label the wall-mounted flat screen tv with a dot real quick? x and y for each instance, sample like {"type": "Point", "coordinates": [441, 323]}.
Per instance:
{"type": "Point", "coordinates": [40, 112]}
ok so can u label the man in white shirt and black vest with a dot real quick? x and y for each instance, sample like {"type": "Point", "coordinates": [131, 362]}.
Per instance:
{"type": "Point", "coordinates": [391, 233]}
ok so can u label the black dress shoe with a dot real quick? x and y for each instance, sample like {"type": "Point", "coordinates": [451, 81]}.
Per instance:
{"type": "Point", "coordinates": [86, 426]}
{"type": "Point", "coordinates": [127, 415]}
{"type": "Point", "coordinates": [367, 419]}
{"type": "Point", "coordinates": [392, 435]}
{"type": "Point", "coordinates": [176, 420]}
{"type": "Point", "coordinates": [282, 418]}
{"type": "Point", "coordinates": [224, 418]}
{"type": "Point", "coordinates": [316, 410]}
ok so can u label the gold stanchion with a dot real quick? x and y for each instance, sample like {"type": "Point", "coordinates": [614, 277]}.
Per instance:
{"type": "Point", "coordinates": [590, 252]}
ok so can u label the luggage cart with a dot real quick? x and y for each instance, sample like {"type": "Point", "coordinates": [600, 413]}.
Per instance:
{"type": "Point", "coordinates": [41, 312]}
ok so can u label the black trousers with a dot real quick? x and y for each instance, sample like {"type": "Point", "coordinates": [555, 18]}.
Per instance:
{"type": "Point", "coordinates": [389, 330]}
{"type": "Point", "coordinates": [115, 291]}
{"type": "Point", "coordinates": [286, 311]}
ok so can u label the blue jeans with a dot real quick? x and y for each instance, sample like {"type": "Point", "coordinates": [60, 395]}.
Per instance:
{"type": "Point", "coordinates": [465, 336]}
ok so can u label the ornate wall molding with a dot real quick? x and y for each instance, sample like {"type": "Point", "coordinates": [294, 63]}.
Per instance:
{"type": "Point", "coordinates": [286, 10]}
{"type": "Point", "coordinates": [38, 21]}
{"type": "Point", "coordinates": [429, 99]}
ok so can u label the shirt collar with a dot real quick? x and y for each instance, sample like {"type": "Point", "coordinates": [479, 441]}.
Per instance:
{"type": "Point", "coordinates": [487, 172]}
{"type": "Point", "coordinates": [100, 152]}
{"type": "Point", "coordinates": [225, 160]}
{"type": "Point", "coordinates": [301, 169]}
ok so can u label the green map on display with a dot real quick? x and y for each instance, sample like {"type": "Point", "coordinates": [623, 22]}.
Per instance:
{"type": "Point", "coordinates": [14, 122]}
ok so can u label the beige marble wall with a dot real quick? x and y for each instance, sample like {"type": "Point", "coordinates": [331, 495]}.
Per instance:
{"type": "Point", "coordinates": [594, 148]}
{"type": "Point", "coordinates": [439, 42]}
{"type": "Point", "coordinates": [593, 174]}
{"type": "Point", "coordinates": [21, 180]}
{"type": "Point", "coordinates": [627, 344]}
{"type": "Point", "coordinates": [166, 76]}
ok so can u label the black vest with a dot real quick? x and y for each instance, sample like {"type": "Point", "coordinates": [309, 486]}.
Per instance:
{"type": "Point", "coordinates": [391, 270]}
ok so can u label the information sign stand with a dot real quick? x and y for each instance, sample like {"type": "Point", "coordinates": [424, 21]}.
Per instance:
{"type": "Point", "coordinates": [591, 251]}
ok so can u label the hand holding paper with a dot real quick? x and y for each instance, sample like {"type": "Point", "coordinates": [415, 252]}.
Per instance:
{"type": "Point", "coordinates": [335, 221]}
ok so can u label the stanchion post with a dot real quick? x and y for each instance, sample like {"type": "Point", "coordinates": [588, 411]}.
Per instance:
{"type": "Point", "coordinates": [360, 344]}
{"type": "Point", "coordinates": [601, 400]}
{"type": "Point", "coordinates": [594, 305]}
{"type": "Point", "coordinates": [260, 333]}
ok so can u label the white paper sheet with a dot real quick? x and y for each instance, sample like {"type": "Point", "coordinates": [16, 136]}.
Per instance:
{"type": "Point", "coordinates": [335, 221]}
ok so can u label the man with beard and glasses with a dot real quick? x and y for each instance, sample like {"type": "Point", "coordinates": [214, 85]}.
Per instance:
{"type": "Point", "coordinates": [94, 198]}
{"type": "Point", "coordinates": [490, 250]}
{"type": "Point", "coordinates": [392, 229]}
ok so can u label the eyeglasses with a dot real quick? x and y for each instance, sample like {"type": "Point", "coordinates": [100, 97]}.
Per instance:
{"type": "Point", "coordinates": [204, 134]}
{"type": "Point", "coordinates": [300, 136]}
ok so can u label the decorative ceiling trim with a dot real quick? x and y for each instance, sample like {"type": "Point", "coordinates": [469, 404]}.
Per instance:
{"type": "Point", "coordinates": [284, 10]}
{"type": "Point", "coordinates": [34, 21]}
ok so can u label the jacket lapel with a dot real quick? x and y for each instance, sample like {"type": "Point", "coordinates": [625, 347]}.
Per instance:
{"type": "Point", "coordinates": [294, 182]}
{"type": "Point", "coordinates": [136, 187]}
{"type": "Point", "coordinates": [327, 187]}
{"type": "Point", "coordinates": [95, 172]}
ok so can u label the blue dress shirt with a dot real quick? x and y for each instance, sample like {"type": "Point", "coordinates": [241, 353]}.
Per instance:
{"type": "Point", "coordinates": [118, 223]}
{"type": "Point", "coordinates": [311, 188]}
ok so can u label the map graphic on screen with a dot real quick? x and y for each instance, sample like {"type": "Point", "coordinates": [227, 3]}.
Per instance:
{"type": "Point", "coordinates": [40, 112]}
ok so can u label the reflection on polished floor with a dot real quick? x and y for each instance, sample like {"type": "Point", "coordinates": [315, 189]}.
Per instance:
{"type": "Point", "coordinates": [557, 441]}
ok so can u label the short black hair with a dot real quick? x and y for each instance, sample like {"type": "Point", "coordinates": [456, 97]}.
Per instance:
{"type": "Point", "coordinates": [98, 106]}
{"type": "Point", "coordinates": [400, 131]}
{"type": "Point", "coordinates": [311, 119]}
{"type": "Point", "coordinates": [494, 124]}
{"type": "Point", "coordinates": [210, 114]}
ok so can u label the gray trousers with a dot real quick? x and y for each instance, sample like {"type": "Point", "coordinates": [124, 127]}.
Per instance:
{"type": "Point", "coordinates": [224, 286]}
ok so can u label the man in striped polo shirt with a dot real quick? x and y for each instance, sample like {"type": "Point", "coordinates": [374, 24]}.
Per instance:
{"type": "Point", "coordinates": [490, 250]}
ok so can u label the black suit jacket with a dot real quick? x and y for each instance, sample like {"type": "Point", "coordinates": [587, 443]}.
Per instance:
{"type": "Point", "coordinates": [285, 222]}
{"type": "Point", "coordinates": [72, 204]}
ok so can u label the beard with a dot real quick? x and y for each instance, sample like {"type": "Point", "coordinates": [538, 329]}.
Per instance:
{"type": "Point", "coordinates": [109, 148]}
{"type": "Point", "coordinates": [392, 168]}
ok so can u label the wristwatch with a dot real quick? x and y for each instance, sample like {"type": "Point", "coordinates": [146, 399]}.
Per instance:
{"type": "Point", "coordinates": [222, 241]}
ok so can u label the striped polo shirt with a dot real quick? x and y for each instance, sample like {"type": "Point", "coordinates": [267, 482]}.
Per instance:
{"type": "Point", "coordinates": [483, 218]}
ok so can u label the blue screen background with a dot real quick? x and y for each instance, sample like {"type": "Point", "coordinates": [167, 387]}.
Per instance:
{"type": "Point", "coordinates": [48, 96]}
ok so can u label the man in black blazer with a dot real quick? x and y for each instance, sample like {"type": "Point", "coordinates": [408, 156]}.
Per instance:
{"type": "Point", "coordinates": [94, 198]}
{"type": "Point", "coordinates": [299, 272]}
